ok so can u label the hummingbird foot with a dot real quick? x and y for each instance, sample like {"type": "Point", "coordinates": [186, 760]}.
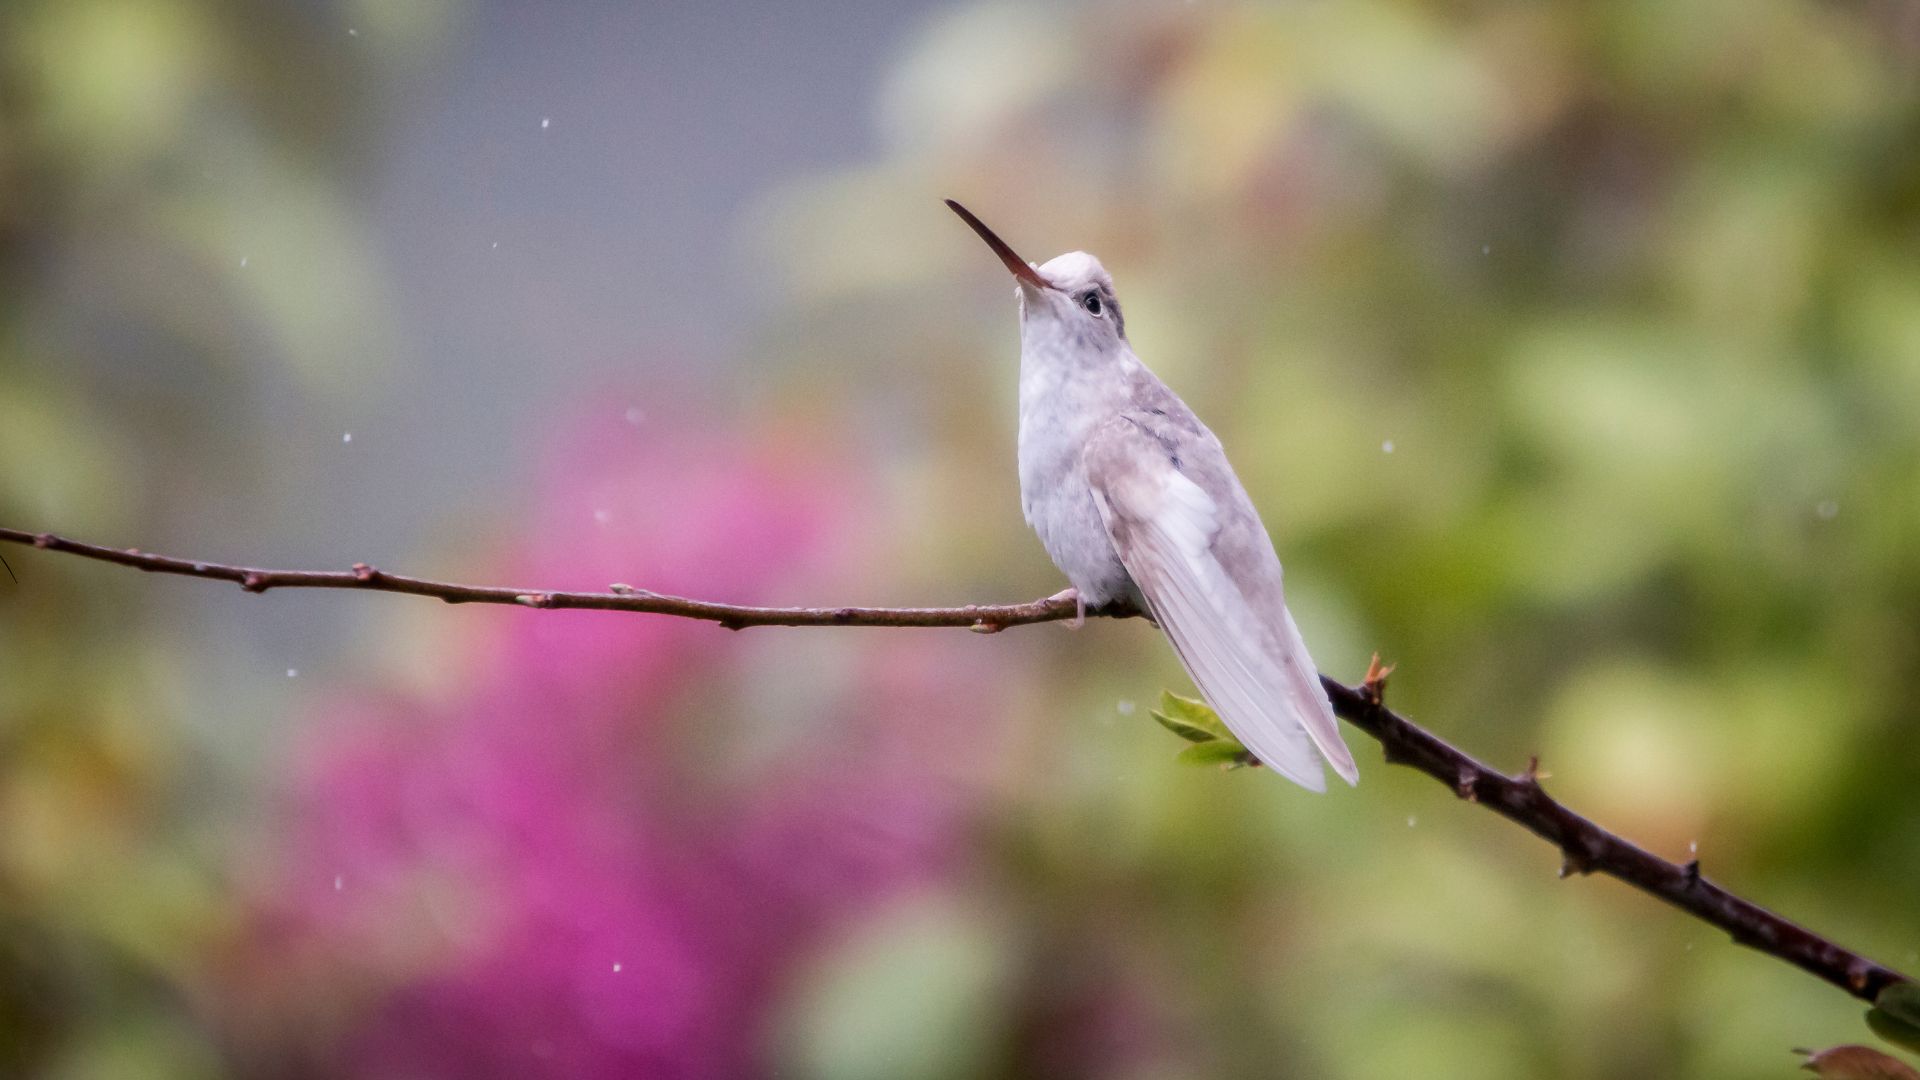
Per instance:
{"type": "Point", "coordinates": [1079, 606]}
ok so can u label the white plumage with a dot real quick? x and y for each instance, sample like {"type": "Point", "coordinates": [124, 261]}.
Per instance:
{"type": "Point", "coordinates": [1250, 665]}
{"type": "Point", "coordinates": [1134, 500]}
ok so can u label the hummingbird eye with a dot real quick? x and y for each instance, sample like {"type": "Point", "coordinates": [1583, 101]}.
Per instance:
{"type": "Point", "coordinates": [1091, 302]}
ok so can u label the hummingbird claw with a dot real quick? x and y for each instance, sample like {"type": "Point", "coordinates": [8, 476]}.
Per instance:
{"type": "Point", "coordinates": [1079, 606]}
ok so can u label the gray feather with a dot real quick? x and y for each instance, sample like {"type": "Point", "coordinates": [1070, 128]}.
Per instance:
{"type": "Point", "coordinates": [1184, 529]}
{"type": "Point", "coordinates": [1134, 500]}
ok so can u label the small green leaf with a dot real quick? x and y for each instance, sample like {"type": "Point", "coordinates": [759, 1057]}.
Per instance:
{"type": "Point", "coordinates": [1191, 732]}
{"type": "Point", "coordinates": [1901, 1001]}
{"type": "Point", "coordinates": [1192, 713]}
{"type": "Point", "coordinates": [1216, 752]}
{"type": "Point", "coordinates": [1893, 1029]}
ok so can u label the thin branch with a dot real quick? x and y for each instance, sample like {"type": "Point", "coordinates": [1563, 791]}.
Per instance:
{"type": "Point", "coordinates": [1585, 847]}
{"type": "Point", "coordinates": [986, 619]}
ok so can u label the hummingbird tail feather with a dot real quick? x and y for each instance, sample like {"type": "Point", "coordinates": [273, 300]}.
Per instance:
{"type": "Point", "coordinates": [1162, 526]}
{"type": "Point", "coordinates": [1311, 703]}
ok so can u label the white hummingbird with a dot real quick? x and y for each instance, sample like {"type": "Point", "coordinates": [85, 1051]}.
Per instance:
{"type": "Point", "coordinates": [1134, 500]}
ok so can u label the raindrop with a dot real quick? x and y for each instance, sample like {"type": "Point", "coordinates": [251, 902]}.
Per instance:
{"type": "Point", "coordinates": [1124, 706]}
{"type": "Point", "coordinates": [347, 437]}
{"type": "Point", "coordinates": [1486, 249]}
{"type": "Point", "coordinates": [243, 262]}
{"type": "Point", "coordinates": [339, 883]}
{"type": "Point", "coordinates": [545, 122]}
{"type": "Point", "coordinates": [1412, 821]}
{"type": "Point", "coordinates": [293, 673]}
{"type": "Point", "coordinates": [635, 415]}
{"type": "Point", "coordinates": [351, 32]}
{"type": "Point", "coordinates": [1387, 447]}
{"type": "Point", "coordinates": [616, 968]}
{"type": "Point", "coordinates": [602, 516]}
{"type": "Point", "coordinates": [1827, 510]}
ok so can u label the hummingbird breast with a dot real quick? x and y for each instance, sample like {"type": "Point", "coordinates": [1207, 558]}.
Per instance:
{"type": "Point", "coordinates": [1060, 407]}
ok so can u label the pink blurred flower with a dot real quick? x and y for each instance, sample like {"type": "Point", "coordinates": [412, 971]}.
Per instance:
{"type": "Point", "coordinates": [563, 870]}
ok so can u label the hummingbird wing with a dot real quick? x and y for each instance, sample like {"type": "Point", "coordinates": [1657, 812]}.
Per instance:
{"type": "Point", "coordinates": [1194, 545]}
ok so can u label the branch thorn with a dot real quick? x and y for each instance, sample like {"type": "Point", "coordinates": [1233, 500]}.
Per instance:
{"type": "Point", "coordinates": [1464, 784]}
{"type": "Point", "coordinates": [1858, 974]}
{"type": "Point", "coordinates": [1374, 686]}
{"type": "Point", "coordinates": [1571, 864]}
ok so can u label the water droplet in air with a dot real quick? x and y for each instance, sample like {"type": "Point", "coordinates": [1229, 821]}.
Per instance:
{"type": "Point", "coordinates": [545, 122]}
{"type": "Point", "coordinates": [602, 516]}
{"type": "Point", "coordinates": [1387, 447]}
{"type": "Point", "coordinates": [351, 32]}
{"type": "Point", "coordinates": [293, 673]}
{"type": "Point", "coordinates": [347, 437]}
{"type": "Point", "coordinates": [1828, 510]}
{"type": "Point", "coordinates": [339, 883]}
{"type": "Point", "coordinates": [635, 415]}
{"type": "Point", "coordinates": [1486, 249]}
{"type": "Point", "coordinates": [616, 967]}
{"type": "Point", "coordinates": [243, 262]}
{"type": "Point", "coordinates": [1412, 821]}
{"type": "Point", "coordinates": [1124, 706]}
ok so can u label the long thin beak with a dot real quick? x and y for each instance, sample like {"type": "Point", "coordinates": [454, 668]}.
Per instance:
{"type": "Point", "coordinates": [1026, 274]}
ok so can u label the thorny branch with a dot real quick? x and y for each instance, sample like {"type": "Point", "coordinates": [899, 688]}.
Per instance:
{"type": "Point", "coordinates": [1585, 847]}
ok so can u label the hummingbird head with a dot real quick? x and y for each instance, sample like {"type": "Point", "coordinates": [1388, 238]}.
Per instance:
{"type": "Point", "coordinates": [1070, 296]}
{"type": "Point", "coordinates": [1079, 294]}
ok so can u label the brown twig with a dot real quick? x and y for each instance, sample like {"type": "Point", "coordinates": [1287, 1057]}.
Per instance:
{"type": "Point", "coordinates": [1585, 847]}
{"type": "Point", "coordinates": [988, 618]}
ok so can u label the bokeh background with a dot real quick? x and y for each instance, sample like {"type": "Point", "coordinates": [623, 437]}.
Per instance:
{"type": "Point", "coordinates": [1571, 350]}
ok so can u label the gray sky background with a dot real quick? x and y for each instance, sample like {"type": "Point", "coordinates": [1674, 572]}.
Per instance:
{"type": "Point", "coordinates": [616, 225]}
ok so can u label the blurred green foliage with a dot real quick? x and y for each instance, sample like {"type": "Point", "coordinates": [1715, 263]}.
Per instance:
{"type": "Point", "coordinates": [1572, 351]}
